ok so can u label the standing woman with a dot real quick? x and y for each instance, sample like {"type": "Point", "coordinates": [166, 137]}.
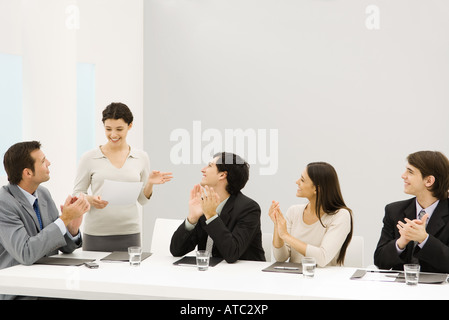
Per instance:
{"type": "Point", "coordinates": [322, 228]}
{"type": "Point", "coordinates": [114, 228]}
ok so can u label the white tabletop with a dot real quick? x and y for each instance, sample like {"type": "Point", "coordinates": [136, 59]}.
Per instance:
{"type": "Point", "coordinates": [158, 278]}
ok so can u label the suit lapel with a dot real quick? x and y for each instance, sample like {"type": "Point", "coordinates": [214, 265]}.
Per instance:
{"type": "Point", "coordinates": [18, 195]}
{"type": "Point", "coordinates": [43, 206]}
{"type": "Point", "coordinates": [410, 211]}
{"type": "Point", "coordinates": [225, 214]}
{"type": "Point", "coordinates": [438, 219]}
{"type": "Point", "coordinates": [439, 216]}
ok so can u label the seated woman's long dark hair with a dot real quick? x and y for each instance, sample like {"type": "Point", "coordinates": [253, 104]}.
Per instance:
{"type": "Point", "coordinates": [328, 196]}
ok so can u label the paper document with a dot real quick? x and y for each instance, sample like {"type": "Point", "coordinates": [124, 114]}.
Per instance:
{"type": "Point", "coordinates": [375, 275]}
{"type": "Point", "coordinates": [119, 193]}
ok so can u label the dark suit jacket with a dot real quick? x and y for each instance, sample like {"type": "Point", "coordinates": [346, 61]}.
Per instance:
{"type": "Point", "coordinates": [433, 257]}
{"type": "Point", "coordinates": [236, 232]}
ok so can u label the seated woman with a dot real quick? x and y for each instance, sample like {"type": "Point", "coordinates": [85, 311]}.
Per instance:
{"type": "Point", "coordinates": [321, 228]}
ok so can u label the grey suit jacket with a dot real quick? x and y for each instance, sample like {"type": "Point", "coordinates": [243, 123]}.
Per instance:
{"type": "Point", "coordinates": [21, 241]}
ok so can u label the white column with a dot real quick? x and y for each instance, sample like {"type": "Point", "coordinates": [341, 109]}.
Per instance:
{"type": "Point", "coordinates": [49, 88]}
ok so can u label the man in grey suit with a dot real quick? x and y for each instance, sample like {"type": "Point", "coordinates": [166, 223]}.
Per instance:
{"type": "Point", "coordinates": [30, 225]}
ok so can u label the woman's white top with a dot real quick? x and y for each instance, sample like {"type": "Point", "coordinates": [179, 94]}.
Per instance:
{"type": "Point", "coordinates": [323, 243]}
{"type": "Point", "coordinates": [94, 167]}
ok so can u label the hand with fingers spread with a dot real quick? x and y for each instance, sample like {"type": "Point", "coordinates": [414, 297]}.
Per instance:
{"type": "Point", "coordinates": [157, 177]}
{"type": "Point", "coordinates": [210, 201]}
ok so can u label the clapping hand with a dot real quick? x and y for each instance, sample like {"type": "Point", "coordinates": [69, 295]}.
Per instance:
{"type": "Point", "coordinates": [195, 209]}
{"type": "Point", "coordinates": [72, 212]}
{"type": "Point", "coordinates": [272, 211]}
{"type": "Point", "coordinates": [280, 224]}
{"type": "Point", "coordinates": [412, 230]}
{"type": "Point", "coordinates": [210, 201]}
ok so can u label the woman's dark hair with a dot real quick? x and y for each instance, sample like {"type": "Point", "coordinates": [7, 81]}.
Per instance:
{"type": "Point", "coordinates": [118, 110]}
{"type": "Point", "coordinates": [328, 196]}
{"type": "Point", "coordinates": [17, 158]}
{"type": "Point", "coordinates": [236, 168]}
{"type": "Point", "coordinates": [433, 163]}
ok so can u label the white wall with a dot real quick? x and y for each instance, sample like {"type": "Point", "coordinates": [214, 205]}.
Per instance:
{"type": "Point", "coordinates": [110, 35]}
{"type": "Point", "coordinates": [49, 88]}
{"type": "Point", "coordinates": [333, 86]}
{"type": "Point", "coordinates": [343, 81]}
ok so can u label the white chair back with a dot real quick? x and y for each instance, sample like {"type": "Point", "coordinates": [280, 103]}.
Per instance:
{"type": "Point", "coordinates": [162, 234]}
{"type": "Point", "coordinates": [355, 253]}
{"type": "Point", "coordinates": [267, 240]}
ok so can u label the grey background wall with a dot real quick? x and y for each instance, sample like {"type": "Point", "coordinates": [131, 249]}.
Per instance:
{"type": "Point", "coordinates": [359, 84]}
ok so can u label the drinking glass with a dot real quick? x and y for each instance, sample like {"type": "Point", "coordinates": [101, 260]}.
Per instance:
{"type": "Point", "coordinates": [308, 267]}
{"type": "Point", "coordinates": [135, 256]}
{"type": "Point", "coordinates": [202, 260]}
{"type": "Point", "coordinates": [411, 274]}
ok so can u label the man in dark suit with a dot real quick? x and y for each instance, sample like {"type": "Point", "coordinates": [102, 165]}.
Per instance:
{"type": "Point", "coordinates": [221, 219]}
{"type": "Point", "coordinates": [417, 230]}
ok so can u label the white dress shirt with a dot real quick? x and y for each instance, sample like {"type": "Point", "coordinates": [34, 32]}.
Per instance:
{"type": "Point", "coordinates": [429, 210]}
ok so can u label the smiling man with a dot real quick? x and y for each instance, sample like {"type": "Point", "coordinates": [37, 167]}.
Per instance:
{"type": "Point", "coordinates": [221, 218]}
{"type": "Point", "coordinates": [30, 225]}
{"type": "Point", "coordinates": [417, 230]}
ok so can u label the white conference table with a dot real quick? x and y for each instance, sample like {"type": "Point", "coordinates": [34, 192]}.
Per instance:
{"type": "Point", "coordinates": [158, 278]}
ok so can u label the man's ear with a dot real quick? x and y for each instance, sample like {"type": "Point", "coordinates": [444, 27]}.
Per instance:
{"type": "Point", "coordinates": [223, 175]}
{"type": "Point", "coordinates": [27, 173]}
{"type": "Point", "coordinates": [429, 181]}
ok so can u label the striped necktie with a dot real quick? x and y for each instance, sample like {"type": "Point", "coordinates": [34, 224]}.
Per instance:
{"type": "Point", "coordinates": [209, 245]}
{"type": "Point", "coordinates": [38, 213]}
{"type": "Point", "coordinates": [421, 214]}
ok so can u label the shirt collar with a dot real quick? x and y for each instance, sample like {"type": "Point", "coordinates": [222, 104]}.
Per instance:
{"type": "Point", "coordinates": [221, 206]}
{"type": "Point", "coordinates": [31, 198]}
{"type": "Point", "coordinates": [99, 154]}
{"type": "Point", "coordinates": [429, 210]}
